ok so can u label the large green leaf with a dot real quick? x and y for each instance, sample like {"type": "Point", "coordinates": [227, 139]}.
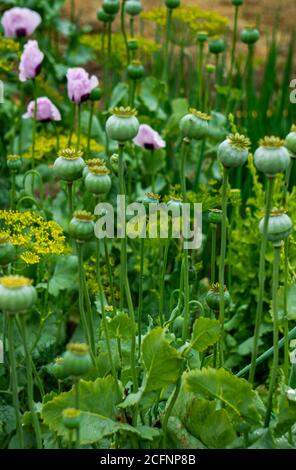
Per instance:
{"type": "Point", "coordinates": [234, 392]}
{"type": "Point", "coordinates": [121, 326]}
{"type": "Point", "coordinates": [162, 362]}
{"type": "Point", "coordinates": [205, 333]}
{"type": "Point", "coordinates": [64, 276]}
{"type": "Point", "coordinates": [286, 416]}
{"type": "Point", "coordinates": [180, 437]}
{"type": "Point", "coordinates": [291, 302]}
{"type": "Point", "coordinates": [97, 404]}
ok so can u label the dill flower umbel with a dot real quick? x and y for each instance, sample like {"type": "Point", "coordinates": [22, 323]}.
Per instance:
{"type": "Point", "coordinates": [32, 234]}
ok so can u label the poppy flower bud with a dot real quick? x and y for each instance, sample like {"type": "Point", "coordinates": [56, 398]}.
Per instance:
{"type": "Point", "coordinates": [71, 418]}
{"type": "Point", "coordinates": [132, 44]}
{"type": "Point", "coordinates": [233, 151]}
{"type": "Point", "coordinates": [58, 369]}
{"type": "Point", "coordinates": [215, 216]}
{"type": "Point", "coordinates": [14, 162]}
{"type": "Point", "coordinates": [279, 226]}
{"type": "Point", "coordinates": [133, 7]}
{"type": "Point", "coordinates": [202, 36]}
{"type": "Point", "coordinates": [17, 295]}
{"type": "Point", "coordinates": [81, 226]}
{"type": "Point", "coordinates": [217, 46]}
{"type": "Point", "coordinates": [122, 125]}
{"type": "Point", "coordinates": [194, 125]}
{"type": "Point", "coordinates": [69, 165]}
{"type": "Point", "coordinates": [7, 250]}
{"type": "Point", "coordinates": [98, 181]}
{"type": "Point", "coordinates": [213, 297]}
{"type": "Point", "coordinates": [249, 35]}
{"type": "Point", "coordinates": [104, 17]}
{"type": "Point", "coordinates": [172, 4]}
{"type": "Point", "coordinates": [96, 94]}
{"type": "Point", "coordinates": [111, 6]}
{"type": "Point", "coordinates": [135, 70]}
{"type": "Point", "coordinates": [271, 157]}
{"type": "Point", "coordinates": [290, 142]}
{"type": "Point", "coordinates": [77, 360]}
{"type": "Point", "coordinates": [237, 3]}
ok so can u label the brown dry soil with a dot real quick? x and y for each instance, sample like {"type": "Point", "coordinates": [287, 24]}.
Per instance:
{"type": "Point", "coordinates": [251, 12]}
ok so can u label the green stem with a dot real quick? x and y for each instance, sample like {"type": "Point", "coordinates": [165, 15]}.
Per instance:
{"type": "Point", "coordinates": [133, 85]}
{"type": "Point", "coordinates": [142, 246]}
{"type": "Point", "coordinates": [81, 294]}
{"type": "Point", "coordinates": [91, 115]}
{"type": "Point", "coordinates": [286, 320]}
{"type": "Point", "coordinates": [72, 11]}
{"type": "Point", "coordinates": [200, 75]}
{"type": "Point", "coordinates": [169, 412]}
{"type": "Point", "coordinates": [77, 398]}
{"type": "Point", "coordinates": [269, 352]}
{"type": "Point", "coordinates": [233, 50]}
{"type": "Point", "coordinates": [213, 252]}
{"type": "Point", "coordinates": [199, 163]}
{"type": "Point", "coordinates": [275, 282]}
{"type": "Point", "coordinates": [70, 197]}
{"type": "Point", "coordinates": [123, 239]}
{"type": "Point", "coordinates": [132, 29]}
{"type": "Point", "coordinates": [14, 382]}
{"type": "Point", "coordinates": [73, 114]}
{"type": "Point", "coordinates": [122, 25]}
{"type": "Point", "coordinates": [34, 125]}
{"type": "Point", "coordinates": [166, 44]}
{"type": "Point", "coordinates": [105, 326]}
{"type": "Point", "coordinates": [124, 283]}
{"type": "Point", "coordinates": [162, 281]}
{"type": "Point", "coordinates": [222, 261]}
{"type": "Point", "coordinates": [13, 192]}
{"type": "Point", "coordinates": [153, 171]}
{"type": "Point", "coordinates": [287, 181]}
{"type": "Point", "coordinates": [78, 127]}
{"type": "Point", "coordinates": [185, 149]}
{"type": "Point", "coordinates": [261, 279]}
{"type": "Point", "coordinates": [111, 283]}
{"type": "Point", "coordinates": [36, 425]}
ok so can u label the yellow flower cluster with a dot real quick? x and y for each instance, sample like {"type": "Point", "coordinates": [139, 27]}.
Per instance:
{"type": "Point", "coordinates": [90, 271]}
{"type": "Point", "coordinates": [35, 236]}
{"type": "Point", "coordinates": [46, 146]}
{"type": "Point", "coordinates": [196, 18]}
{"type": "Point", "coordinates": [9, 45]}
{"type": "Point", "coordinates": [146, 47]}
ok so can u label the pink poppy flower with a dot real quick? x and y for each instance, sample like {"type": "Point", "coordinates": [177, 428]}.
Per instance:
{"type": "Point", "coordinates": [46, 110]}
{"type": "Point", "coordinates": [80, 84]}
{"type": "Point", "coordinates": [148, 138]}
{"type": "Point", "coordinates": [31, 60]}
{"type": "Point", "coordinates": [18, 22]}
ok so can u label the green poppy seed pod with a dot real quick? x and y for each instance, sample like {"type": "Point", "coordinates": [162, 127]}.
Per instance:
{"type": "Point", "coordinates": [290, 142]}
{"type": "Point", "coordinates": [14, 162]}
{"type": "Point", "coordinates": [233, 151]}
{"type": "Point", "coordinates": [58, 369]}
{"type": "Point", "coordinates": [111, 6]}
{"type": "Point", "coordinates": [194, 125]}
{"type": "Point", "coordinates": [178, 326]}
{"type": "Point", "coordinates": [172, 4]}
{"type": "Point", "coordinates": [77, 360]}
{"type": "Point", "coordinates": [91, 162]}
{"type": "Point", "coordinates": [17, 295]}
{"type": "Point", "coordinates": [279, 226]}
{"type": "Point", "coordinates": [133, 7]}
{"type": "Point", "coordinates": [213, 297]}
{"type": "Point", "coordinates": [249, 35]}
{"type": "Point", "coordinates": [271, 157]}
{"type": "Point", "coordinates": [69, 165]}
{"type": "Point", "coordinates": [71, 418]}
{"type": "Point", "coordinates": [7, 251]}
{"type": "Point", "coordinates": [104, 17]}
{"type": "Point", "coordinates": [98, 181]}
{"type": "Point", "coordinates": [150, 198]}
{"type": "Point", "coordinates": [217, 46]}
{"type": "Point", "coordinates": [132, 44]}
{"type": "Point", "coordinates": [237, 3]}
{"type": "Point", "coordinates": [123, 125]}
{"type": "Point", "coordinates": [210, 68]}
{"type": "Point", "coordinates": [202, 36]}
{"type": "Point", "coordinates": [175, 205]}
{"type": "Point", "coordinates": [81, 226]}
{"type": "Point", "coordinates": [135, 70]}
{"type": "Point", "coordinates": [96, 94]}
{"type": "Point", "coordinates": [215, 216]}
